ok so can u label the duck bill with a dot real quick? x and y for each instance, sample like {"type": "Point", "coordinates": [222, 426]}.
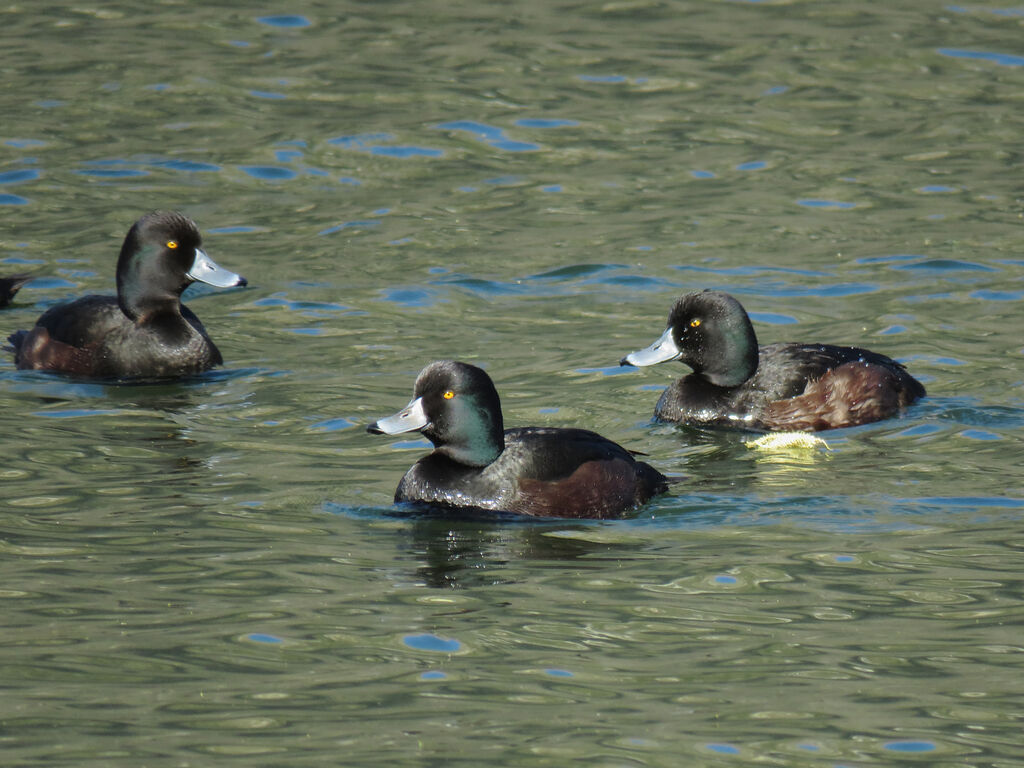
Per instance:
{"type": "Point", "coordinates": [661, 351]}
{"type": "Point", "coordinates": [409, 419]}
{"type": "Point", "coordinates": [205, 270]}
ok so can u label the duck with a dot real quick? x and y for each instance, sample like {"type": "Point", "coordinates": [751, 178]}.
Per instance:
{"type": "Point", "coordinates": [144, 332]}
{"type": "Point", "coordinates": [10, 286]}
{"type": "Point", "coordinates": [478, 465]}
{"type": "Point", "coordinates": [776, 387]}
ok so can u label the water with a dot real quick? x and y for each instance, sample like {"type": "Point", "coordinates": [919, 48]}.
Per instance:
{"type": "Point", "coordinates": [211, 572]}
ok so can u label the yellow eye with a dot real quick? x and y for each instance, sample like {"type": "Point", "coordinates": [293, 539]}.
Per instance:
{"type": "Point", "coordinates": [694, 323]}
{"type": "Point", "coordinates": [448, 394]}
{"type": "Point", "coordinates": [172, 244]}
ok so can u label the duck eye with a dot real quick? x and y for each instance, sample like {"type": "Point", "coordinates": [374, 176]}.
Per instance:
{"type": "Point", "coordinates": [695, 322]}
{"type": "Point", "coordinates": [448, 394]}
{"type": "Point", "coordinates": [172, 244]}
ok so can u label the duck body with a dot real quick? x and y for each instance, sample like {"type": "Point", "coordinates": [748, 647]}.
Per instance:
{"type": "Point", "coordinates": [796, 387]}
{"type": "Point", "coordinates": [542, 472]}
{"type": "Point", "coordinates": [92, 337]}
{"type": "Point", "coordinates": [144, 332]}
{"type": "Point", "coordinates": [534, 471]}
{"type": "Point", "coordinates": [784, 386]}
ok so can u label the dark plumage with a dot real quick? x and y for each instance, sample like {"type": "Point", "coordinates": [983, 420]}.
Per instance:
{"type": "Point", "coordinates": [144, 332]}
{"type": "Point", "coordinates": [9, 286]}
{"type": "Point", "coordinates": [538, 471]}
{"type": "Point", "coordinates": [775, 387]}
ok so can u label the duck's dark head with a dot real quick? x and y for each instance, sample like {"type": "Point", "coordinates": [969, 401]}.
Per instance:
{"type": "Point", "coordinates": [161, 256]}
{"type": "Point", "coordinates": [710, 332]}
{"type": "Point", "coordinates": [456, 407]}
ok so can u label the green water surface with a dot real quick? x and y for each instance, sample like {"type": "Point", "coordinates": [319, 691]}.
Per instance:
{"type": "Point", "coordinates": [212, 572]}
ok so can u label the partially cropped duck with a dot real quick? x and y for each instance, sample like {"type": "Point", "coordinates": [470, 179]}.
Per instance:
{"type": "Point", "coordinates": [539, 471]}
{"type": "Point", "coordinates": [9, 286]}
{"type": "Point", "coordinates": [144, 332]}
{"type": "Point", "coordinates": [787, 386]}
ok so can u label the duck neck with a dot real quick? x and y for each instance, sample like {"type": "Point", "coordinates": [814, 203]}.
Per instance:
{"type": "Point", "coordinates": [145, 296]}
{"type": "Point", "coordinates": [478, 441]}
{"type": "Point", "coordinates": [734, 355]}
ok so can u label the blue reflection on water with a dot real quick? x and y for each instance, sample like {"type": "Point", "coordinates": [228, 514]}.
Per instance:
{"type": "Point", "coordinates": [268, 95]}
{"type": "Point", "coordinates": [724, 749]}
{"type": "Point", "coordinates": [19, 177]}
{"type": "Point", "coordinates": [410, 297]}
{"type": "Point", "coordinates": [609, 370]}
{"type": "Point", "coordinates": [998, 295]}
{"type": "Point", "coordinates": [560, 281]}
{"type": "Point", "coordinates": [888, 258]}
{"type": "Point", "coordinates": [537, 122]}
{"type": "Point", "coordinates": [835, 289]}
{"type": "Point", "coordinates": [189, 166]}
{"type": "Point", "coordinates": [286, 21]}
{"type": "Point", "coordinates": [334, 425]}
{"type": "Point", "coordinates": [373, 143]}
{"type": "Point", "coordinates": [910, 746]}
{"type": "Point", "coordinates": [773, 318]}
{"type": "Point", "coordinates": [233, 230]}
{"type": "Point", "coordinates": [315, 308]}
{"type": "Point", "coordinates": [504, 181]}
{"type": "Point", "coordinates": [74, 413]}
{"type": "Point", "coordinates": [258, 637]}
{"type": "Point", "coordinates": [944, 265]}
{"type": "Point", "coordinates": [602, 78]}
{"type": "Point", "coordinates": [836, 204]}
{"type": "Point", "coordinates": [980, 434]}
{"type": "Point", "coordinates": [268, 172]}
{"type": "Point", "coordinates": [6, 199]}
{"type": "Point", "coordinates": [407, 151]}
{"type": "Point", "coordinates": [433, 643]}
{"type": "Point", "coordinates": [558, 673]}
{"type": "Point", "coordinates": [489, 134]}
{"type": "Point", "coordinates": [1003, 59]}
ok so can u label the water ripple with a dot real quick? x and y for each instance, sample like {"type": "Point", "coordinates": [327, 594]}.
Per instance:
{"type": "Point", "coordinates": [938, 266]}
{"type": "Point", "coordinates": [378, 144]}
{"type": "Point", "coordinates": [285, 21]}
{"type": "Point", "coordinates": [19, 177]}
{"type": "Point", "coordinates": [268, 172]}
{"type": "Point", "coordinates": [1003, 59]}
{"type": "Point", "coordinates": [489, 134]}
